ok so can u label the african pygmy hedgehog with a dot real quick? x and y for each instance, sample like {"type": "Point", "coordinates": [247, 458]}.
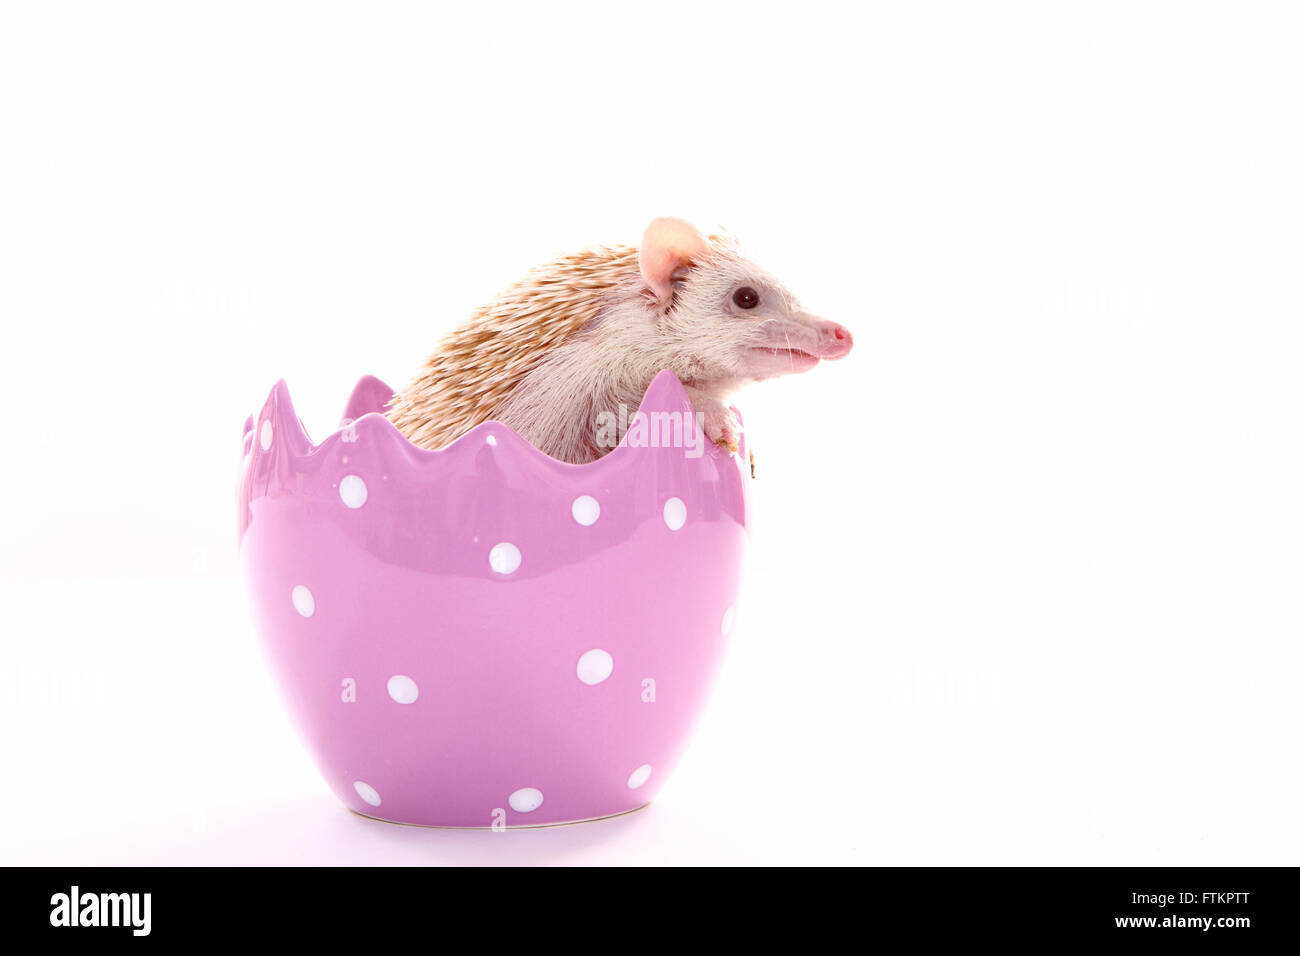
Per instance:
{"type": "Point", "coordinates": [586, 333]}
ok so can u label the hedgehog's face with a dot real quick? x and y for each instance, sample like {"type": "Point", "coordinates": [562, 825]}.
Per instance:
{"type": "Point", "coordinates": [744, 326]}
{"type": "Point", "coordinates": [729, 321]}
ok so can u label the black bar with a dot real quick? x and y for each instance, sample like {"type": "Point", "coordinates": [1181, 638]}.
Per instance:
{"type": "Point", "coordinates": [1171, 906]}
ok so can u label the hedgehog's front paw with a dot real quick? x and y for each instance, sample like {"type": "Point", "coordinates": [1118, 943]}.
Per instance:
{"type": "Point", "coordinates": [716, 420]}
{"type": "Point", "coordinates": [720, 427]}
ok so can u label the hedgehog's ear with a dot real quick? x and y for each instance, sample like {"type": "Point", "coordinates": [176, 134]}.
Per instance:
{"type": "Point", "coordinates": [668, 248]}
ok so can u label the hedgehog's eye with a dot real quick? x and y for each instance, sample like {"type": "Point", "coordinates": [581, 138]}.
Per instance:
{"type": "Point", "coordinates": [745, 297]}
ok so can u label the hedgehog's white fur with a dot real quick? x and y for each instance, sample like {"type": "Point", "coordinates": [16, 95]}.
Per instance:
{"type": "Point", "coordinates": [586, 334]}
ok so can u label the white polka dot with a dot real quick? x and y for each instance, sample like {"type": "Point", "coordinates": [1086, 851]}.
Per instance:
{"type": "Point", "coordinates": [586, 510]}
{"type": "Point", "coordinates": [728, 621]}
{"type": "Point", "coordinates": [526, 800]}
{"type": "Point", "coordinates": [265, 434]}
{"type": "Point", "coordinates": [639, 776]}
{"type": "Point", "coordinates": [674, 513]}
{"type": "Point", "coordinates": [504, 558]}
{"type": "Point", "coordinates": [492, 440]}
{"type": "Point", "coordinates": [594, 666]}
{"type": "Point", "coordinates": [367, 793]}
{"type": "Point", "coordinates": [353, 491]}
{"type": "Point", "coordinates": [402, 689]}
{"type": "Point", "coordinates": [304, 601]}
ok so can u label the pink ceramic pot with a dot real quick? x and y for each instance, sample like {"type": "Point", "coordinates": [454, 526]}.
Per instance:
{"type": "Point", "coordinates": [483, 635]}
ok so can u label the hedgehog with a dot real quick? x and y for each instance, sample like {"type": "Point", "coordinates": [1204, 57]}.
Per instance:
{"type": "Point", "coordinates": [585, 334]}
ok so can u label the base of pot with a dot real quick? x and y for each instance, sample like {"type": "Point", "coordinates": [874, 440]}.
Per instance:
{"type": "Point", "coordinates": [514, 826]}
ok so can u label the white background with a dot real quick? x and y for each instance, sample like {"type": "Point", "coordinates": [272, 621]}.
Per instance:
{"type": "Point", "coordinates": [1023, 579]}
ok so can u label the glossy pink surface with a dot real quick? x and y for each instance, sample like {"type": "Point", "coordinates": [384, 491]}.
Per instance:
{"type": "Point", "coordinates": [437, 683]}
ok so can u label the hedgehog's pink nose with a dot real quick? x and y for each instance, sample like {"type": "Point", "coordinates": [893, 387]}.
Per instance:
{"type": "Point", "coordinates": [843, 338]}
{"type": "Point", "coordinates": [834, 340]}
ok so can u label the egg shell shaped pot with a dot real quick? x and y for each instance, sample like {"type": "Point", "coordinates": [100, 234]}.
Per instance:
{"type": "Point", "coordinates": [482, 635]}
